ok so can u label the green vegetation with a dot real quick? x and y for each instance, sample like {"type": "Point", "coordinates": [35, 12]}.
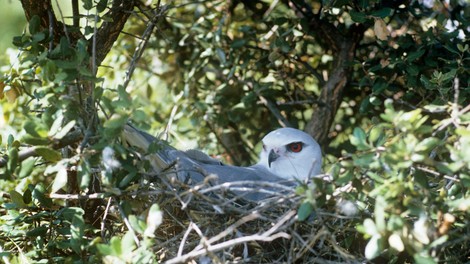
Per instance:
{"type": "Point", "coordinates": [382, 85]}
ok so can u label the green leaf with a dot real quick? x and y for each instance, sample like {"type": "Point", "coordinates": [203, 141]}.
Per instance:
{"type": "Point", "coordinates": [48, 154]}
{"type": "Point", "coordinates": [35, 141]}
{"type": "Point", "coordinates": [373, 247]}
{"type": "Point", "coordinates": [420, 259]}
{"type": "Point", "coordinates": [127, 244]}
{"type": "Point", "coordinates": [17, 199]}
{"type": "Point", "coordinates": [421, 179]}
{"type": "Point", "coordinates": [154, 220]}
{"type": "Point", "coordinates": [30, 128]}
{"type": "Point", "coordinates": [76, 232]}
{"type": "Point", "coordinates": [69, 213]}
{"type": "Point", "coordinates": [369, 227]}
{"type": "Point", "coordinates": [10, 140]}
{"type": "Point", "coordinates": [451, 49]}
{"type": "Point", "coordinates": [65, 130]}
{"type": "Point", "coordinates": [415, 55]}
{"type": "Point", "coordinates": [358, 17]}
{"type": "Point", "coordinates": [364, 160]}
{"type": "Point", "coordinates": [116, 247]}
{"type": "Point", "coordinates": [105, 250]}
{"type": "Point", "coordinates": [84, 174]}
{"type": "Point", "coordinates": [128, 178]}
{"type": "Point", "coordinates": [27, 167]}
{"type": "Point", "coordinates": [359, 134]}
{"type": "Point", "coordinates": [379, 212]}
{"type": "Point", "coordinates": [39, 195]}
{"type": "Point", "coordinates": [87, 4]}
{"type": "Point", "coordinates": [345, 178]}
{"type": "Point", "coordinates": [39, 231]}
{"type": "Point", "coordinates": [117, 121]}
{"type": "Point", "coordinates": [12, 159]}
{"type": "Point", "coordinates": [138, 225]}
{"type": "Point", "coordinates": [221, 55]}
{"type": "Point", "coordinates": [27, 196]}
{"type": "Point", "coordinates": [379, 86]}
{"type": "Point", "coordinates": [59, 117]}
{"type": "Point", "coordinates": [382, 13]}
{"type": "Point", "coordinates": [305, 210]}
{"type": "Point", "coordinates": [125, 100]}
{"type": "Point", "coordinates": [375, 133]}
{"type": "Point", "coordinates": [427, 144]}
{"type": "Point", "coordinates": [238, 43]}
{"type": "Point", "coordinates": [60, 179]}
{"type": "Point", "coordinates": [34, 25]}
{"type": "Point", "coordinates": [358, 139]}
{"type": "Point", "coordinates": [395, 241]}
{"type": "Point", "coordinates": [101, 5]}
{"type": "Point", "coordinates": [412, 69]}
{"type": "Point", "coordinates": [38, 37]}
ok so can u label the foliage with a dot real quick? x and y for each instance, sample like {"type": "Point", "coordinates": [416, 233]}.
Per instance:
{"type": "Point", "coordinates": [218, 75]}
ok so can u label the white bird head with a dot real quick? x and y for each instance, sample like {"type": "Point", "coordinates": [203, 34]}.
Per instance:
{"type": "Point", "coordinates": [290, 153]}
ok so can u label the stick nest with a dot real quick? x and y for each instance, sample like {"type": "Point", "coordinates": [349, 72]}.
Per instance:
{"type": "Point", "coordinates": [211, 223]}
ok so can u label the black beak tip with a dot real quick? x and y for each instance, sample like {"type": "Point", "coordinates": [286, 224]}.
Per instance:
{"type": "Point", "coordinates": [272, 157]}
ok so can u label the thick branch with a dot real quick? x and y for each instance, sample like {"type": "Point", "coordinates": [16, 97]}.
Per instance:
{"type": "Point", "coordinates": [343, 44]}
{"type": "Point", "coordinates": [331, 93]}
{"type": "Point", "coordinates": [69, 139]}
{"type": "Point", "coordinates": [109, 31]}
{"type": "Point", "coordinates": [105, 37]}
{"type": "Point", "coordinates": [48, 20]}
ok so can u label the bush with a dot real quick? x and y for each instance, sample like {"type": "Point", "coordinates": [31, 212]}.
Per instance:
{"type": "Point", "coordinates": [382, 86]}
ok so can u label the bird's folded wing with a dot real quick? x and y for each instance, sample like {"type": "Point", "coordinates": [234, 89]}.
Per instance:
{"type": "Point", "coordinates": [194, 167]}
{"type": "Point", "coordinates": [160, 160]}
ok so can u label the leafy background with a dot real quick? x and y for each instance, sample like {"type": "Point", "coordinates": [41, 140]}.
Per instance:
{"type": "Point", "coordinates": [217, 76]}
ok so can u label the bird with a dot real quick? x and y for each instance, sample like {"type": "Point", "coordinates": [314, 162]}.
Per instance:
{"type": "Point", "coordinates": [291, 154]}
{"type": "Point", "coordinates": [288, 155]}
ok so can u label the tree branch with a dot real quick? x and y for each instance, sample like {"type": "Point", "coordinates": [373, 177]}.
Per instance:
{"type": "Point", "coordinates": [109, 31]}
{"type": "Point", "coordinates": [71, 138]}
{"type": "Point", "coordinates": [48, 20]}
{"type": "Point", "coordinates": [343, 45]}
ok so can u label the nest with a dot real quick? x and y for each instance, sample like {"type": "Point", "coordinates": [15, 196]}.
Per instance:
{"type": "Point", "coordinates": [213, 223]}
{"type": "Point", "coordinates": [207, 222]}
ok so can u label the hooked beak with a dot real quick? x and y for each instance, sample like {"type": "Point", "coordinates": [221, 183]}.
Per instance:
{"type": "Point", "coordinates": [272, 157]}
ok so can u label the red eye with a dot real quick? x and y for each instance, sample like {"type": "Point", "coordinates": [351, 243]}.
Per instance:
{"type": "Point", "coordinates": [295, 147]}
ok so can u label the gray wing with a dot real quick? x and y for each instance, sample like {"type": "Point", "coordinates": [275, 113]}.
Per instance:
{"type": "Point", "coordinates": [253, 183]}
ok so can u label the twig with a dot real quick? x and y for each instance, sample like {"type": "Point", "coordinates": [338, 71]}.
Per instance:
{"type": "Point", "coordinates": [103, 222]}
{"type": "Point", "coordinates": [166, 133]}
{"type": "Point", "coordinates": [318, 76]}
{"type": "Point", "coordinates": [128, 225]}
{"type": "Point", "coordinates": [305, 247]}
{"type": "Point", "coordinates": [300, 102]}
{"type": "Point", "coordinates": [227, 244]}
{"type": "Point", "coordinates": [185, 237]}
{"type": "Point", "coordinates": [139, 51]}
{"type": "Point", "coordinates": [76, 14]}
{"type": "Point", "coordinates": [437, 173]}
{"type": "Point", "coordinates": [231, 228]}
{"type": "Point", "coordinates": [51, 18]}
{"type": "Point", "coordinates": [202, 236]}
{"type": "Point", "coordinates": [63, 22]}
{"type": "Point", "coordinates": [266, 236]}
{"type": "Point", "coordinates": [78, 196]}
{"type": "Point", "coordinates": [455, 115]}
{"type": "Point", "coordinates": [232, 186]}
{"type": "Point", "coordinates": [4, 257]}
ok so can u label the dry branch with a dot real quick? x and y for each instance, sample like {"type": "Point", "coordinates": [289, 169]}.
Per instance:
{"type": "Point", "coordinates": [69, 139]}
